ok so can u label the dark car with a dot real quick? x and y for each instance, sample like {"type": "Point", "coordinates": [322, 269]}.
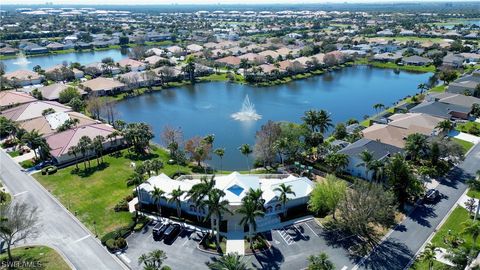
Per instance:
{"type": "Point", "coordinates": [432, 195]}
{"type": "Point", "coordinates": [171, 233]}
{"type": "Point", "coordinates": [159, 229]}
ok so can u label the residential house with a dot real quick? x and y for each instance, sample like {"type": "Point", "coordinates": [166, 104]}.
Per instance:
{"type": "Point", "coordinates": [8, 51]}
{"type": "Point", "coordinates": [33, 110]}
{"type": "Point", "coordinates": [49, 124]}
{"type": "Point", "coordinates": [254, 58]}
{"type": "Point", "coordinates": [194, 48]}
{"type": "Point", "coordinates": [103, 68]}
{"type": "Point", "coordinates": [154, 59]}
{"type": "Point", "coordinates": [9, 99]}
{"type": "Point", "coordinates": [453, 60]}
{"type": "Point", "coordinates": [452, 98]}
{"type": "Point", "coordinates": [102, 86]}
{"type": "Point", "coordinates": [466, 84]}
{"type": "Point", "coordinates": [416, 60]}
{"type": "Point", "coordinates": [387, 57]}
{"type": "Point", "coordinates": [60, 143]}
{"type": "Point", "coordinates": [132, 65]}
{"type": "Point", "coordinates": [380, 152]}
{"type": "Point", "coordinates": [24, 77]}
{"type": "Point", "coordinates": [52, 91]}
{"type": "Point", "coordinates": [54, 46]}
{"type": "Point", "coordinates": [229, 61]}
{"type": "Point", "coordinates": [442, 110]}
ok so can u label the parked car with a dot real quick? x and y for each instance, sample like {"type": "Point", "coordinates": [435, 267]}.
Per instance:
{"type": "Point", "coordinates": [159, 229]}
{"type": "Point", "coordinates": [432, 195]}
{"type": "Point", "coordinates": [171, 233]}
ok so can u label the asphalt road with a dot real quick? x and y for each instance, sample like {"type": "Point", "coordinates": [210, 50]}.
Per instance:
{"type": "Point", "coordinates": [57, 227]}
{"type": "Point", "coordinates": [407, 239]}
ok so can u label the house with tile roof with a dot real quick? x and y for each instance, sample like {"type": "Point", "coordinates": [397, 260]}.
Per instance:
{"type": "Point", "coordinates": [13, 98]}
{"type": "Point", "coordinates": [24, 77]}
{"type": "Point", "coordinates": [48, 124]}
{"type": "Point", "coordinates": [33, 110]}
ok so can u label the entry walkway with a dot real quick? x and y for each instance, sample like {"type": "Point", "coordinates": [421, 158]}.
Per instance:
{"type": "Point", "coordinates": [235, 243]}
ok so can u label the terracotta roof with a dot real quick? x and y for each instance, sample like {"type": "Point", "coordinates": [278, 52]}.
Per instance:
{"type": "Point", "coordinates": [52, 92]}
{"type": "Point", "coordinates": [61, 142]}
{"type": "Point", "coordinates": [130, 62]}
{"type": "Point", "coordinates": [230, 60]}
{"type": "Point", "coordinates": [33, 109]}
{"type": "Point", "coordinates": [392, 135]}
{"type": "Point", "coordinates": [11, 98]}
{"type": "Point", "coordinates": [43, 126]}
{"type": "Point", "coordinates": [102, 84]}
{"type": "Point", "coordinates": [22, 75]}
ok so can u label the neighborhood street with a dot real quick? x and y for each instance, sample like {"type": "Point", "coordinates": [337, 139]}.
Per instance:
{"type": "Point", "coordinates": [58, 228]}
{"type": "Point", "coordinates": [408, 237]}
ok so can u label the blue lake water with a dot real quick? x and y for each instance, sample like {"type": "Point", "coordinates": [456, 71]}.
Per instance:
{"type": "Point", "coordinates": [206, 108]}
{"type": "Point", "coordinates": [46, 61]}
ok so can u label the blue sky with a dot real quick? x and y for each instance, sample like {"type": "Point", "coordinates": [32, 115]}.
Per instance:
{"type": "Point", "coordinates": [157, 2]}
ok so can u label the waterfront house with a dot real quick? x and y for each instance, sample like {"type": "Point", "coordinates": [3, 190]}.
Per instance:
{"type": "Point", "coordinates": [8, 51]}
{"type": "Point", "coordinates": [254, 58]}
{"type": "Point", "coordinates": [416, 60]}
{"type": "Point", "coordinates": [132, 65]}
{"type": "Point", "coordinates": [60, 143]}
{"type": "Point", "coordinates": [54, 46]}
{"type": "Point", "coordinates": [232, 61]}
{"type": "Point", "coordinates": [452, 98]}
{"type": "Point", "coordinates": [102, 68]}
{"type": "Point", "coordinates": [380, 152]}
{"type": "Point", "coordinates": [466, 84]}
{"type": "Point", "coordinates": [102, 86]}
{"type": "Point", "coordinates": [24, 77]}
{"type": "Point", "coordinates": [33, 110]}
{"type": "Point", "coordinates": [9, 99]}
{"type": "Point", "coordinates": [453, 60]}
{"type": "Point", "coordinates": [235, 186]}
{"type": "Point", "coordinates": [443, 110]}
{"type": "Point", "coordinates": [52, 91]}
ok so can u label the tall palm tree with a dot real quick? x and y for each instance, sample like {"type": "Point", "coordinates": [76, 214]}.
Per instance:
{"type": "Point", "coordinates": [377, 169]}
{"type": "Point", "coordinates": [175, 197]}
{"type": "Point", "coordinates": [84, 145]}
{"type": "Point", "coordinates": [284, 191]}
{"type": "Point", "coordinates": [157, 195]}
{"type": "Point", "coordinates": [216, 207]}
{"type": "Point", "coordinates": [367, 159]}
{"type": "Point", "coordinates": [445, 126]}
{"type": "Point", "coordinates": [415, 145]}
{"type": "Point", "coordinates": [199, 191]}
{"type": "Point", "coordinates": [325, 122]}
{"type": "Point", "coordinates": [220, 152]}
{"type": "Point", "coordinates": [33, 139]}
{"type": "Point", "coordinates": [428, 255]}
{"type": "Point", "coordinates": [73, 151]}
{"type": "Point", "coordinates": [250, 211]}
{"type": "Point", "coordinates": [156, 165]}
{"type": "Point", "coordinates": [311, 119]}
{"type": "Point", "coordinates": [378, 107]}
{"type": "Point", "coordinates": [256, 196]}
{"type": "Point", "coordinates": [97, 145]}
{"type": "Point", "coordinates": [231, 261]}
{"type": "Point", "coordinates": [281, 146]}
{"type": "Point", "coordinates": [137, 179]}
{"type": "Point", "coordinates": [246, 150]}
{"type": "Point", "coordinates": [422, 87]}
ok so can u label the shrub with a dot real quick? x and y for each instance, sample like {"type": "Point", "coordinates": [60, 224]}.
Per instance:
{"type": "Point", "coordinates": [166, 267]}
{"type": "Point", "coordinates": [27, 164]}
{"type": "Point", "coordinates": [108, 236]}
{"type": "Point", "coordinates": [111, 244]}
{"type": "Point", "coordinates": [49, 170]}
{"type": "Point", "coordinates": [129, 198]}
{"type": "Point", "coordinates": [121, 206]}
{"type": "Point", "coordinates": [121, 243]}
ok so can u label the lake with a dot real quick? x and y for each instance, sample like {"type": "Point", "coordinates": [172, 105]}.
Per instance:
{"type": "Point", "coordinates": [206, 108]}
{"type": "Point", "coordinates": [46, 61]}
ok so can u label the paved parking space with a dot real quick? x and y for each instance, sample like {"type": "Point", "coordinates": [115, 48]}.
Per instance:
{"type": "Point", "coordinates": [292, 245]}
{"type": "Point", "coordinates": [182, 253]}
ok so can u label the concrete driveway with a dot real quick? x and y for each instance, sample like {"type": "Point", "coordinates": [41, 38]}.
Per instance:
{"type": "Point", "coordinates": [464, 136]}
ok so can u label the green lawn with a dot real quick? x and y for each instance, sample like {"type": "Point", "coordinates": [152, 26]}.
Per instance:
{"type": "Point", "coordinates": [473, 193]}
{"type": "Point", "coordinates": [438, 89]}
{"type": "Point", "coordinates": [92, 195]}
{"type": "Point", "coordinates": [430, 68]}
{"type": "Point", "coordinates": [47, 257]}
{"type": "Point", "coordinates": [421, 265]}
{"type": "Point", "coordinates": [14, 154]}
{"type": "Point", "coordinates": [469, 127]}
{"type": "Point", "coordinates": [465, 145]}
{"type": "Point", "coordinates": [455, 224]}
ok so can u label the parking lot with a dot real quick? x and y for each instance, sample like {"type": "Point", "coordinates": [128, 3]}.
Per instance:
{"type": "Point", "coordinates": [291, 245]}
{"type": "Point", "coordinates": [182, 253]}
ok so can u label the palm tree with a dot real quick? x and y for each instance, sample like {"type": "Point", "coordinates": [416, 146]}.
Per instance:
{"type": "Point", "coordinates": [445, 126]}
{"type": "Point", "coordinates": [311, 119]}
{"type": "Point", "coordinates": [220, 152]}
{"type": "Point", "coordinates": [378, 107]}
{"type": "Point", "coordinates": [320, 262]}
{"type": "Point", "coordinates": [97, 145]}
{"type": "Point", "coordinates": [231, 261]}
{"type": "Point", "coordinates": [428, 255]}
{"type": "Point", "coordinates": [137, 179]}
{"type": "Point", "coordinates": [175, 197]}
{"type": "Point", "coordinates": [422, 87]}
{"type": "Point", "coordinates": [216, 207]}
{"type": "Point", "coordinates": [377, 167]}
{"type": "Point", "coordinates": [256, 196]}
{"type": "Point", "coordinates": [33, 139]}
{"type": "Point", "coordinates": [415, 145]}
{"type": "Point", "coordinates": [246, 150]}
{"type": "Point", "coordinates": [84, 145]}
{"type": "Point", "coordinates": [367, 159]}
{"type": "Point", "coordinates": [472, 228]}
{"type": "Point", "coordinates": [325, 122]}
{"type": "Point", "coordinates": [284, 191]}
{"type": "Point", "coordinates": [281, 145]}
{"type": "Point", "coordinates": [250, 211]}
{"type": "Point", "coordinates": [73, 151]}
{"type": "Point", "coordinates": [157, 195]}
{"type": "Point", "coordinates": [199, 191]}
{"type": "Point", "coordinates": [156, 165]}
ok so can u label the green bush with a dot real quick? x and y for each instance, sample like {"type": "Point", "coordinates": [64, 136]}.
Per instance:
{"type": "Point", "coordinates": [121, 206]}
{"type": "Point", "coordinates": [108, 236]}
{"type": "Point", "coordinates": [111, 244]}
{"type": "Point", "coordinates": [121, 243]}
{"type": "Point", "coordinates": [49, 170]}
{"type": "Point", "coordinates": [27, 164]}
{"type": "Point", "coordinates": [166, 267]}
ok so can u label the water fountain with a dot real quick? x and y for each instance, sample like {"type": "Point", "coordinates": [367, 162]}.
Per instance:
{"type": "Point", "coordinates": [22, 60]}
{"type": "Point", "coordinates": [247, 113]}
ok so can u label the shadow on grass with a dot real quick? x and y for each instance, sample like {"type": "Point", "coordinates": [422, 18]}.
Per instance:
{"type": "Point", "coordinates": [140, 157]}
{"type": "Point", "coordinates": [82, 172]}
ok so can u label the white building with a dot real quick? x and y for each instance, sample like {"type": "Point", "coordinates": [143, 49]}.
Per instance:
{"type": "Point", "coordinates": [235, 186]}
